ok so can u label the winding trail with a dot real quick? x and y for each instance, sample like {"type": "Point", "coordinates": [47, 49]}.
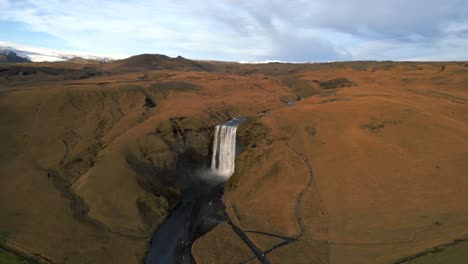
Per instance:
{"type": "Point", "coordinates": [297, 213]}
{"type": "Point", "coordinates": [241, 234]}
{"type": "Point", "coordinates": [181, 253]}
{"type": "Point", "coordinates": [270, 234]}
{"type": "Point", "coordinates": [297, 209]}
{"type": "Point", "coordinates": [434, 250]}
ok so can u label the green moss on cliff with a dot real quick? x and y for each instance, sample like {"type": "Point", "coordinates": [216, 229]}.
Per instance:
{"type": "Point", "coordinates": [251, 134]}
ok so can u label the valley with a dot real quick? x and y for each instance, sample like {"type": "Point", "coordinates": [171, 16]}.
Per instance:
{"type": "Point", "coordinates": [344, 162]}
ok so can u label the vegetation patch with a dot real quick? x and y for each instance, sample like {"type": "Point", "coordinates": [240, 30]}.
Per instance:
{"type": "Point", "coordinates": [274, 171]}
{"type": "Point", "coordinates": [455, 252]}
{"type": "Point", "coordinates": [407, 80]}
{"type": "Point", "coordinates": [252, 134]}
{"type": "Point", "coordinates": [43, 72]}
{"type": "Point", "coordinates": [302, 88]}
{"type": "Point", "coordinates": [7, 257]}
{"type": "Point", "coordinates": [335, 83]}
{"type": "Point", "coordinates": [67, 173]}
{"type": "Point", "coordinates": [331, 100]}
{"type": "Point", "coordinates": [311, 130]}
{"type": "Point", "coordinates": [328, 93]}
{"type": "Point", "coordinates": [3, 237]}
{"type": "Point", "coordinates": [153, 210]}
{"type": "Point", "coordinates": [440, 80]}
{"type": "Point", "coordinates": [376, 127]}
{"type": "Point", "coordinates": [384, 67]}
{"type": "Point", "coordinates": [175, 86]}
{"type": "Point", "coordinates": [440, 95]}
{"type": "Point", "coordinates": [359, 67]}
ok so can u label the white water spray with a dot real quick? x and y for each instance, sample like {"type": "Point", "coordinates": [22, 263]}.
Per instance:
{"type": "Point", "coordinates": [224, 148]}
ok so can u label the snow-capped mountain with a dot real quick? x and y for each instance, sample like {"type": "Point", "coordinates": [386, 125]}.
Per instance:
{"type": "Point", "coordinates": [11, 56]}
{"type": "Point", "coordinates": [37, 54]}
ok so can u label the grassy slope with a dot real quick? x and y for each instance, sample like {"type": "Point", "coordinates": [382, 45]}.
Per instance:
{"type": "Point", "coordinates": [457, 254]}
{"type": "Point", "coordinates": [67, 189]}
{"type": "Point", "coordinates": [9, 258]}
{"type": "Point", "coordinates": [389, 161]}
{"type": "Point", "coordinates": [387, 154]}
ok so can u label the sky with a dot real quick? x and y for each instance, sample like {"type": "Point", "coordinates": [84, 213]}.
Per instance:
{"type": "Point", "coordinates": [241, 30]}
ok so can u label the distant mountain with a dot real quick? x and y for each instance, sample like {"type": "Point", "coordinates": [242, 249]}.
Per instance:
{"type": "Point", "coordinates": [10, 56]}
{"type": "Point", "coordinates": [37, 54]}
{"type": "Point", "coordinates": [157, 61]}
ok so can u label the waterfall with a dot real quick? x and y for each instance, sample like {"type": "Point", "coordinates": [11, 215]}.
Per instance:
{"type": "Point", "coordinates": [224, 147]}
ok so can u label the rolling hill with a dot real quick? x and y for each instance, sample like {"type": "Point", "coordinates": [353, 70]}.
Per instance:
{"type": "Point", "coordinates": [352, 162]}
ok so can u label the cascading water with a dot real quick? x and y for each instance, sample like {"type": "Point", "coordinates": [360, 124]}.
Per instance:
{"type": "Point", "coordinates": [224, 148]}
{"type": "Point", "coordinates": [201, 207]}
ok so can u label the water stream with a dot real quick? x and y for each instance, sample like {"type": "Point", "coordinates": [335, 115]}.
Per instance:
{"type": "Point", "coordinates": [201, 208]}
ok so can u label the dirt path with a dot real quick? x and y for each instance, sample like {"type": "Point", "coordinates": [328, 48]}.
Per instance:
{"type": "Point", "coordinates": [297, 210]}
{"type": "Point", "coordinates": [261, 256]}
{"type": "Point", "coordinates": [434, 250]}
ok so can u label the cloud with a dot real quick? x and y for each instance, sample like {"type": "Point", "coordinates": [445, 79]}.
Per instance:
{"type": "Point", "coordinates": [296, 30]}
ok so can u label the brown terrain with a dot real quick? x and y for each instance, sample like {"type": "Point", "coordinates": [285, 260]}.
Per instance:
{"type": "Point", "coordinates": [353, 162]}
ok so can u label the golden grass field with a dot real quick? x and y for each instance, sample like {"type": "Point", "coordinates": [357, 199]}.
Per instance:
{"type": "Point", "coordinates": [370, 166]}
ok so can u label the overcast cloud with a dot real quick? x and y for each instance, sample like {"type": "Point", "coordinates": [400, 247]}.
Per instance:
{"type": "Point", "coordinates": [255, 30]}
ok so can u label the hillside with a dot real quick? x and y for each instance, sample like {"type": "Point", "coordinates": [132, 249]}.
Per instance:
{"type": "Point", "coordinates": [369, 173]}
{"type": "Point", "coordinates": [158, 62]}
{"type": "Point", "coordinates": [354, 162]}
